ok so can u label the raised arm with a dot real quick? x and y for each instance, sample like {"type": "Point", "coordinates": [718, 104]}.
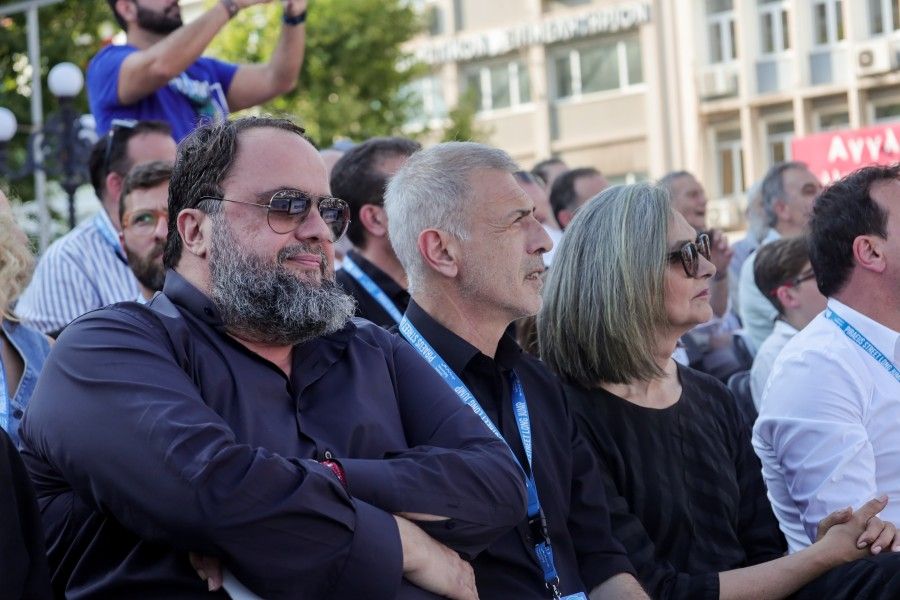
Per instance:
{"type": "Point", "coordinates": [145, 71]}
{"type": "Point", "coordinates": [256, 84]}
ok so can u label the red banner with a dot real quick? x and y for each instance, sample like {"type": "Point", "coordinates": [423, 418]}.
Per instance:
{"type": "Point", "coordinates": [834, 154]}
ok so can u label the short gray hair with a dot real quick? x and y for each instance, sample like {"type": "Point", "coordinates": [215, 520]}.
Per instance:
{"type": "Point", "coordinates": [773, 187]}
{"type": "Point", "coordinates": [432, 191]}
{"type": "Point", "coordinates": [604, 300]}
{"type": "Point", "coordinates": [667, 180]}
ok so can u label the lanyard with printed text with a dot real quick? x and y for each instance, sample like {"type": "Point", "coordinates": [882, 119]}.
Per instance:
{"type": "Point", "coordinates": [863, 342]}
{"type": "Point", "coordinates": [372, 288]}
{"type": "Point", "coordinates": [537, 523]}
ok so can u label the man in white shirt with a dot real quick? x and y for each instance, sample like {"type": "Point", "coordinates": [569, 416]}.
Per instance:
{"type": "Point", "coordinates": [827, 428]}
{"type": "Point", "coordinates": [783, 273]}
{"type": "Point", "coordinates": [788, 192]}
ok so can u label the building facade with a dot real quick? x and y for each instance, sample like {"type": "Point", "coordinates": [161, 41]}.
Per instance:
{"type": "Point", "coordinates": [636, 88]}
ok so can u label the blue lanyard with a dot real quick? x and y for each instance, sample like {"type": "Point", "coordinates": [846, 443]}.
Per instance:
{"type": "Point", "coordinates": [863, 342]}
{"type": "Point", "coordinates": [109, 235]}
{"type": "Point", "coordinates": [372, 288]}
{"type": "Point", "coordinates": [5, 407]}
{"type": "Point", "coordinates": [536, 520]}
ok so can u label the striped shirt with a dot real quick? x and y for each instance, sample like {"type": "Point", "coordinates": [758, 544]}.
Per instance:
{"type": "Point", "coordinates": [82, 271]}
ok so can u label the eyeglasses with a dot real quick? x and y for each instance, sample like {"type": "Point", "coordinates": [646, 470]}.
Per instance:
{"type": "Point", "coordinates": [115, 127]}
{"type": "Point", "coordinates": [804, 276]}
{"type": "Point", "coordinates": [690, 254]}
{"type": "Point", "coordinates": [143, 221]}
{"type": "Point", "coordinates": [288, 208]}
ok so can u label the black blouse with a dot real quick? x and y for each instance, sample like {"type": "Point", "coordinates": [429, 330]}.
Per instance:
{"type": "Point", "coordinates": [691, 500]}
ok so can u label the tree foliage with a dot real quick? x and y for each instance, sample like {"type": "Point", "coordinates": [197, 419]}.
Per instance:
{"type": "Point", "coordinates": [461, 126]}
{"type": "Point", "coordinates": [350, 84]}
{"type": "Point", "coordinates": [69, 31]}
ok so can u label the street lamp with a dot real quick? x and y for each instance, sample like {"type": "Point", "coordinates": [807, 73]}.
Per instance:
{"type": "Point", "coordinates": [62, 147]}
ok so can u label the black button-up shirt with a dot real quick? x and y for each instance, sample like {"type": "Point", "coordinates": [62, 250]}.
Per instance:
{"type": "Point", "coordinates": [366, 306]}
{"type": "Point", "coordinates": [152, 433]}
{"type": "Point", "coordinates": [568, 483]}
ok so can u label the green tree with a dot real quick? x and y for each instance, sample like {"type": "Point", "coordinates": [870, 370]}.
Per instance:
{"type": "Point", "coordinates": [69, 31]}
{"type": "Point", "coordinates": [351, 84]}
{"type": "Point", "coordinates": [461, 126]}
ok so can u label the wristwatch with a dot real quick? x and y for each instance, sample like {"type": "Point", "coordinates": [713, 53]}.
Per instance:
{"type": "Point", "coordinates": [232, 7]}
{"type": "Point", "coordinates": [295, 20]}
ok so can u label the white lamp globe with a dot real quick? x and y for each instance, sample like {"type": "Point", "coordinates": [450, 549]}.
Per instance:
{"type": "Point", "coordinates": [8, 125]}
{"type": "Point", "coordinates": [65, 80]}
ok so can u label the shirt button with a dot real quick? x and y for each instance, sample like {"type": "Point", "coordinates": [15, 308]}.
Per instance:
{"type": "Point", "coordinates": [207, 311]}
{"type": "Point", "coordinates": [17, 413]}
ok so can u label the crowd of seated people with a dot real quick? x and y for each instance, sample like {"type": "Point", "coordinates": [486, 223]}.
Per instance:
{"type": "Point", "coordinates": [515, 384]}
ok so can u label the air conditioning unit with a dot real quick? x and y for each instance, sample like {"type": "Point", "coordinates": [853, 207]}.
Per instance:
{"type": "Point", "coordinates": [718, 83]}
{"type": "Point", "coordinates": [875, 58]}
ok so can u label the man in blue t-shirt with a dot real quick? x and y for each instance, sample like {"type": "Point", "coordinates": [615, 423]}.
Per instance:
{"type": "Point", "coordinates": [159, 74]}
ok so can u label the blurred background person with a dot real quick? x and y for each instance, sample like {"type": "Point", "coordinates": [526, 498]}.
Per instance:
{"type": "Point", "coordinates": [359, 178]}
{"type": "Point", "coordinates": [788, 192]}
{"type": "Point", "coordinates": [543, 212]}
{"type": "Point", "coordinates": [757, 228]}
{"type": "Point", "coordinates": [549, 169]}
{"type": "Point", "coordinates": [144, 209]}
{"type": "Point", "coordinates": [22, 349]}
{"type": "Point", "coordinates": [571, 189]}
{"type": "Point", "coordinates": [87, 268]}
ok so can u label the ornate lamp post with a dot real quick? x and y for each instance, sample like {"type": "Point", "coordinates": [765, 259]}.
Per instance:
{"type": "Point", "coordinates": [62, 147]}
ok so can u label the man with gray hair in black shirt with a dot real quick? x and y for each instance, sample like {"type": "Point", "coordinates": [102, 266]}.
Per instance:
{"type": "Point", "coordinates": [466, 234]}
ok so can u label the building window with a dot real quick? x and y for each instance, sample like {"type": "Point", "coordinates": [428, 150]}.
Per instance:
{"type": "Point", "coordinates": [720, 21]}
{"type": "Point", "coordinates": [429, 95]}
{"type": "Point", "coordinates": [828, 22]}
{"type": "Point", "coordinates": [499, 85]}
{"type": "Point", "coordinates": [773, 26]}
{"type": "Point", "coordinates": [832, 121]}
{"type": "Point", "coordinates": [887, 112]}
{"type": "Point", "coordinates": [730, 163]}
{"type": "Point", "coordinates": [602, 66]}
{"type": "Point", "coordinates": [779, 135]}
{"type": "Point", "coordinates": [884, 16]}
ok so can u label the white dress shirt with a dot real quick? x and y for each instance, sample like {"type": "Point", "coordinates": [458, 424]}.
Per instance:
{"type": "Point", "coordinates": [765, 358]}
{"type": "Point", "coordinates": [828, 432]}
{"type": "Point", "coordinates": [757, 313]}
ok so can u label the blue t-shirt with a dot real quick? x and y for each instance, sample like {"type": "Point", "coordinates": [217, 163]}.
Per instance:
{"type": "Point", "coordinates": [195, 95]}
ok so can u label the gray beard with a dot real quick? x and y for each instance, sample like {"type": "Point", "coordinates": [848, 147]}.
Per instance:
{"type": "Point", "coordinates": [266, 303]}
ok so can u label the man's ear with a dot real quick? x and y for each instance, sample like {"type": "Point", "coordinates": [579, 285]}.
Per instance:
{"type": "Point", "coordinates": [787, 296]}
{"type": "Point", "coordinates": [780, 207]}
{"type": "Point", "coordinates": [440, 251]}
{"type": "Point", "coordinates": [125, 9]}
{"type": "Point", "coordinates": [869, 253]}
{"type": "Point", "coordinates": [374, 219]}
{"type": "Point", "coordinates": [564, 217]}
{"type": "Point", "coordinates": [194, 227]}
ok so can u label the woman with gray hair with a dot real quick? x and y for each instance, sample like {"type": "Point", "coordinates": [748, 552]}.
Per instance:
{"type": "Point", "coordinates": [686, 495]}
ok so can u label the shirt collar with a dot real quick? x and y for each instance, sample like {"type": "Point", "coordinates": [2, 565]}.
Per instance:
{"type": "Point", "coordinates": [382, 279]}
{"type": "Point", "coordinates": [105, 226]}
{"type": "Point", "coordinates": [884, 338]}
{"type": "Point", "coordinates": [183, 293]}
{"type": "Point", "coordinates": [771, 236]}
{"type": "Point", "coordinates": [456, 351]}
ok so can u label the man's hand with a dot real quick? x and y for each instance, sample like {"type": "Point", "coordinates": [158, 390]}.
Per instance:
{"type": "Point", "coordinates": [209, 569]}
{"type": "Point", "coordinates": [720, 251]}
{"type": "Point", "coordinates": [855, 534]}
{"type": "Point", "coordinates": [433, 566]}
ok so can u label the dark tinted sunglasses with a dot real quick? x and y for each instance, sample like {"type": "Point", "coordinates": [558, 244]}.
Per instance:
{"type": "Point", "coordinates": [689, 254]}
{"type": "Point", "coordinates": [116, 126]}
{"type": "Point", "coordinates": [287, 209]}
